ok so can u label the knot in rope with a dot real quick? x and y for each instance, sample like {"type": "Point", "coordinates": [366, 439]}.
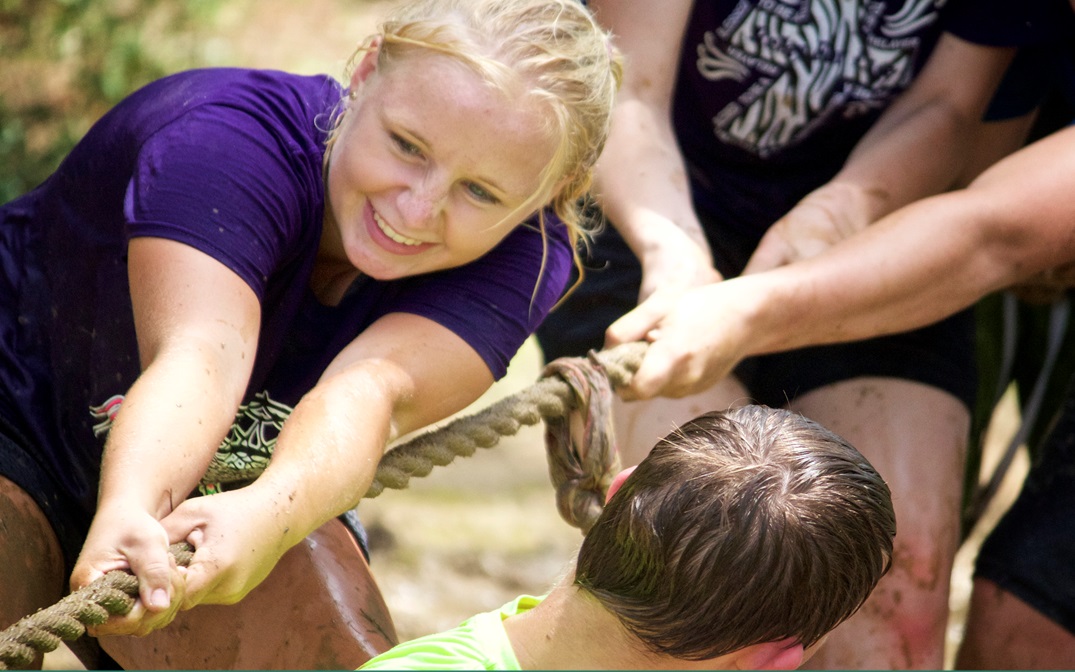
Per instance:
{"type": "Point", "coordinates": [567, 385]}
{"type": "Point", "coordinates": [579, 445]}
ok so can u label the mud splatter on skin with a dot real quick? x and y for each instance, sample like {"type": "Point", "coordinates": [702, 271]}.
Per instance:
{"type": "Point", "coordinates": [926, 576]}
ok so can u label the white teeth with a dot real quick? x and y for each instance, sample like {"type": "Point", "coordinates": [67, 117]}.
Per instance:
{"type": "Point", "coordinates": [391, 233]}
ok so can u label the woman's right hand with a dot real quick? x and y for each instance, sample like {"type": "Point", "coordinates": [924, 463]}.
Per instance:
{"type": "Point", "coordinates": [124, 538]}
{"type": "Point", "coordinates": [197, 325]}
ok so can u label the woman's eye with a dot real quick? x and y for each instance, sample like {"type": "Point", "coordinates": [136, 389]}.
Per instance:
{"type": "Point", "coordinates": [478, 192]}
{"type": "Point", "coordinates": [406, 146]}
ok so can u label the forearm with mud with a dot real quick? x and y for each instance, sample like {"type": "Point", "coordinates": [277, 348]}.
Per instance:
{"type": "Point", "coordinates": [642, 186]}
{"type": "Point", "coordinates": [169, 426]}
{"type": "Point", "coordinates": [641, 179]}
{"type": "Point", "coordinates": [918, 265]}
{"type": "Point", "coordinates": [919, 146]}
{"type": "Point", "coordinates": [326, 455]}
{"type": "Point", "coordinates": [908, 155]}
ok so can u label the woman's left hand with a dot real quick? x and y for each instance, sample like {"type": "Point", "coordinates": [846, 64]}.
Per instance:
{"type": "Point", "coordinates": [237, 540]}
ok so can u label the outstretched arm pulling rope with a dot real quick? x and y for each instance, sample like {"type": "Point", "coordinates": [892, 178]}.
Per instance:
{"type": "Point", "coordinates": [568, 384]}
{"type": "Point", "coordinates": [580, 472]}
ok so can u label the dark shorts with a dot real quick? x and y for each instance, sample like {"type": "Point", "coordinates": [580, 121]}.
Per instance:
{"type": "Point", "coordinates": [1031, 551]}
{"type": "Point", "coordinates": [941, 355]}
{"type": "Point", "coordinates": [71, 521]}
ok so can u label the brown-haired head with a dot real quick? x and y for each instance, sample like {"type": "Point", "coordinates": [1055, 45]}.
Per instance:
{"type": "Point", "coordinates": [741, 527]}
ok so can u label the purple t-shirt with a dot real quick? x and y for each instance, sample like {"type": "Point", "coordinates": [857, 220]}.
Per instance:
{"type": "Point", "coordinates": [228, 161]}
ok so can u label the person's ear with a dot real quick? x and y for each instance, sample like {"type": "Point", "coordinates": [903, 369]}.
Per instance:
{"type": "Point", "coordinates": [366, 66]}
{"type": "Point", "coordinates": [787, 654]}
{"type": "Point", "coordinates": [617, 482]}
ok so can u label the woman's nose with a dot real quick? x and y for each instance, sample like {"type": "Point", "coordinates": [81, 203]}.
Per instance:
{"type": "Point", "coordinates": [422, 202]}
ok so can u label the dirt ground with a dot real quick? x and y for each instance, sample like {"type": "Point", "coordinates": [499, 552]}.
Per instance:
{"type": "Point", "coordinates": [478, 532]}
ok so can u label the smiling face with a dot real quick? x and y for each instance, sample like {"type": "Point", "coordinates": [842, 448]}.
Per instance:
{"type": "Point", "coordinates": [429, 165]}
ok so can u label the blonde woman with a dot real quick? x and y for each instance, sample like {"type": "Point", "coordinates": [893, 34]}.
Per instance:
{"type": "Point", "coordinates": [243, 259]}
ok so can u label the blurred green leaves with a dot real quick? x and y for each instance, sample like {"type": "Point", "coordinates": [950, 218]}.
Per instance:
{"type": "Point", "coordinates": [63, 63]}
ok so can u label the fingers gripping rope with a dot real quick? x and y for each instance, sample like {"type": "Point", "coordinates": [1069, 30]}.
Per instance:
{"type": "Point", "coordinates": [571, 392]}
{"type": "Point", "coordinates": [41, 632]}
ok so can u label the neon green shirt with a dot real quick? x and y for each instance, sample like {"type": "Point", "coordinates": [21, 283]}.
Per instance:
{"type": "Point", "coordinates": [479, 643]}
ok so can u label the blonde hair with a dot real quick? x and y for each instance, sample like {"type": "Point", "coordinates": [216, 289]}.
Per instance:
{"type": "Point", "coordinates": [552, 48]}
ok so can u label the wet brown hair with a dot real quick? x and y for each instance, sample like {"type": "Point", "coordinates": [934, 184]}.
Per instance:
{"type": "Point", "coordinates": [741, 527]}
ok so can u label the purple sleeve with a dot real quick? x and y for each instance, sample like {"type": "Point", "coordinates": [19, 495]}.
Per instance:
{"type": "Point", "coordinates": [225, 183]}
{"type": "Point", "coordinates": [496, 302]}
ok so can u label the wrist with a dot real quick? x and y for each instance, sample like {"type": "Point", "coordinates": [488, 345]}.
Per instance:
{"type": "Point", "coordinates": [766, 313]}
{"type": "Point", "coordinates": [674, 255]}
{"type": "Point", "coordinates": [130, 495]}
{"type": "Point", "coordinates": [285, 509]}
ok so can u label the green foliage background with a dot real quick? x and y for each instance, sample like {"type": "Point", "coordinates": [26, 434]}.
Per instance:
{"type": "Point", "coordinates": [63, 63]}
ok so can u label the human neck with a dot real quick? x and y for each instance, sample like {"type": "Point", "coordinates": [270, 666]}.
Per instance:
{"type": "Point", "coordinates": [332, 272]}
{"type": "Point", "coordinates": [329, 283]}
{"type": "Point", "coordinates": [569, 630]}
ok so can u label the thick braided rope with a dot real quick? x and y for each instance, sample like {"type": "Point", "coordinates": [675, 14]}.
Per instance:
{"type": "Point", "coordinates": [41, 632]}
{"type": "Point", "coordinates": [580, 447]}
{"type": "Point", "coordinates": [552, 397]}
{"type": "Point", "coordinates": [579, 473]}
